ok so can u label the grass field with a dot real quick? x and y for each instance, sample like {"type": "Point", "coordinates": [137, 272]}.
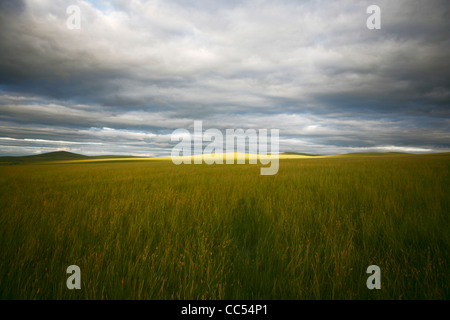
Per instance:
{"type": "Point", "coordinates": [153, 230]}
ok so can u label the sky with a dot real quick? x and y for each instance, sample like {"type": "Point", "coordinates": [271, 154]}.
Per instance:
{"type": "Point", "coordinates": [137, 70]}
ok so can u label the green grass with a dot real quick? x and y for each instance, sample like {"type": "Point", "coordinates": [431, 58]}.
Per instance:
{"type": "Point", "coordinates": [153, 230]}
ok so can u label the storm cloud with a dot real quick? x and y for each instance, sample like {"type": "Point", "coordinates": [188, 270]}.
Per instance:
{"type": "Point", "coordinates": [137, 70]}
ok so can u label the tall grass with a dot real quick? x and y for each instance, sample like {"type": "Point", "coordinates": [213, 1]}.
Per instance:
{"type": "Point", "coordinates": [153, 230]}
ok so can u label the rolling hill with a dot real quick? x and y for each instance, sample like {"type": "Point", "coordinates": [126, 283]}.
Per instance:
{"type": "Point", "coordinates": [74, 157]}
{"type": "Point", "coordinates": [56, 156]}
{"type": "Point", "coordinates": [50, 156]}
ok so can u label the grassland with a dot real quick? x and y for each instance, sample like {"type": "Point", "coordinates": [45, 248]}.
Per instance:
{"type": "Point", "coordinates": [153, 230]}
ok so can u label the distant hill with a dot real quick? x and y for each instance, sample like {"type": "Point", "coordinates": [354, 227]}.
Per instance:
{"type": "Point", "coordinates": [69, 156]}
{"type": "Point", "coordinates": [57, 156]}
{"type": "Point", "coordinates": [356, 154]}
{"type": "Point", "coordinates": [50, 156]}
{"type": "Point", "coordinates": [301, 154]}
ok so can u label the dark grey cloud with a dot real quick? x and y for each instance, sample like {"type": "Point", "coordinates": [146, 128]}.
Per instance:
{"type": "Point", "coordinates": [137, 70]}
{"type": "Point", "coordinates": [12, 7]}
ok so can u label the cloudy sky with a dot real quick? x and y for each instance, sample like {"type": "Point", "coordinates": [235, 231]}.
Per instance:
{"type": "Point", "coordinates": [137, 70]}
